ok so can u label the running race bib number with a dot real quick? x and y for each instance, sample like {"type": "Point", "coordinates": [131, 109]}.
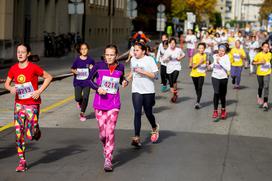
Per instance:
{"type": "Point", "coordinates": [25, 90]}
{"type": "Point", "coordinates": [202, 68]}
{"type": "Point", "coordinates": [236, 57]}
{"type": "Point", "coordinates": [83, 73]}
{"type": "Point", "coordinates": [265, 67]}
{"type": "Point", "coordinates": [110, 84]}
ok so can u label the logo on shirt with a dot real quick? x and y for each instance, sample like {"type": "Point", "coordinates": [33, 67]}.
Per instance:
{"type": "Point", "coordinates": [21, 78]}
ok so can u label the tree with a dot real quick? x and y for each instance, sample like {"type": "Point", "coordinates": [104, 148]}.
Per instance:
{"type": "Point", "coordinates": [179, 9]}
{"type": "Point", "coordinates": [266, 9]}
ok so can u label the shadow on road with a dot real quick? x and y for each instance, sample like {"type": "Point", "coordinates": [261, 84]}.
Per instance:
{"type": "Point", "coordinates": [126, 155]}
{"type": "Point", "coordinates": [160, 109]}
{"type": "Point", "coordinates": [183, 99]}
{"type": "Point", "coordinates": [56, 154]}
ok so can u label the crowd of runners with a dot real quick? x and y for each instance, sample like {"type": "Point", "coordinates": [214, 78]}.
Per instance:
{"type": "Point", "coordinates": [224, 53]}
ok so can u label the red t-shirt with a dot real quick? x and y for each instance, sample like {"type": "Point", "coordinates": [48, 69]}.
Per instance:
{"type": "Point", "coordinates": [26, 81]}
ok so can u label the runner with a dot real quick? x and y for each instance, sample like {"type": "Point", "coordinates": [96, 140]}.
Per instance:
{"type": "Point", "coordinates": [81, 69]}
{"type": "Point", "coordinates": [161, 50]}
{"type": "Point", "coordinates": [221, 68]}
{"type": "Point", "coordinates": [253, 46]}
{"type": "Point", "coordinates": [238, 57]}
{"type": "Point", "coordinates": [173, 55]}
{"type": "Point", "coordinates": [263, 62]}
{"type": "Point", "coordinates": [27, 100]}
{"type": "Point", "coordinates": [143, 73]}
{"type": "Point", "coordinates": [109, 74]}
{"type": "Point", "coordinates": [231, 39]}
{"type": "Point", "coordinates": [198, 72]}
{"type": "Point", "coordinates": [191, 41]}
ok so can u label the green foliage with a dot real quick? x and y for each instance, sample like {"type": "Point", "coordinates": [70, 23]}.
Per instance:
{"type": "Point", "coordinates": [265, 9]}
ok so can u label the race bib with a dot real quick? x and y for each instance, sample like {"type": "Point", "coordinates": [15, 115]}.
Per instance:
{"type": "Point", "coordinates": [236, 57]}
{"type": "Point", "coordinates": [82, 73]}
{"type": "Point", "coordinates": [265, 67]}
{"type": "Point", "coordinates": [24, 91]}
{"type": "Point", "coordinates": [110, 84]}
{"type": "Point", "coordinates": [202, 68]}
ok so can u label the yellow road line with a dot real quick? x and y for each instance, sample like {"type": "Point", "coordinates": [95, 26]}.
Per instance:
{"type": "Point", "coordinates": [48, 108]}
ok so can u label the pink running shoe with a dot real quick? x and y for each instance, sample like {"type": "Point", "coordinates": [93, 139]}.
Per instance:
{"type": "Point", "coordinates": [82, 117]}
{"type": "Point", "coordinates": [22, 166]}
{"type": "Point", "coordinates": [108, 166]}
{"type": "Point", "coordinates": [259, 101]}
{"type": "Point", "coordinates": [155, 135]}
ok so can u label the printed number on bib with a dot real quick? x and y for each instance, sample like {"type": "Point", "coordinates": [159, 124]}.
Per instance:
{"type": "Point", "coordinates": [236, 57]}
{"type": "Point", "coordinates": [25, 90]}
{"type": "Point", "coordinates": [201, 68]}
{"type": "Point", "coordinates": [83, 73]}
{"type": "Point", "coordinates": [265, 67]}
{"type": "Point", "coordinates": [110, 84]}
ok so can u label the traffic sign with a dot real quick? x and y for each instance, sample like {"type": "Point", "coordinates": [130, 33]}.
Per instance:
{"type": "Point", "coordinates": [161, 8]}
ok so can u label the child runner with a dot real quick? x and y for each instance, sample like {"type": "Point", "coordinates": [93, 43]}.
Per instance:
{"type": "Point", "coordinates": [221, 68]}
{"type": "Point", "coordinates": [143, 73]}
{"type": "Point", "coordinates": [27, 100]}
{"type": "Point", "coordinates": [81, 69]}
{"type": "Point", "coordinates": [173, 55]}
{"type": "Point", "coordinates": [191, 41]}
{"type": "Point", "coordinates": [162, 48]}
{"type": "Point", "coordinates": [263, 62]}
{"type": "Point", "coordinates": [109, 74]}
{"type": "Point", "coordinates": [198, 72]}
{"type": "Point", "coordinates": [238, 56]}
{"type": "Point", "coordinates": [253, 46]}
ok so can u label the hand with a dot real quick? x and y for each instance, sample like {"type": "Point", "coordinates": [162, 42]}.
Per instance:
{"type": "Point", "coordinates": [90, 66]}
{"type": "Point", "coordinates": [101, 91]}
{"type": "Point", "coordinates": [36, 94]}
{"type": "Point", "coordinates": [12, 90]}
{"type": "Point", "coordinates": [139, 70]}
{"type": "Point", "coordinates": [263, 62]}
{"type": "Point", "coordinates": [201, 61]}
{"type": "Point", "coordinates": [124, 83]}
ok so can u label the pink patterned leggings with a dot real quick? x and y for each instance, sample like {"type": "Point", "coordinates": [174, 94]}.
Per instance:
{"type": "Point", "coordinates": [106, 122]}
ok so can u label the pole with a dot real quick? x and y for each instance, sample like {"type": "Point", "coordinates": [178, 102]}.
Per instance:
{"type": "Point", "coordinates": [84, 22]}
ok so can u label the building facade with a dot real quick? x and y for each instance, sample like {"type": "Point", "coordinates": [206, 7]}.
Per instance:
{"type": "Point", "coordinates": [104, 21]}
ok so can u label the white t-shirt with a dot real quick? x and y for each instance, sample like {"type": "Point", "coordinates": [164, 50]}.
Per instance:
{"type": "Point", "coordinates": [160, 54]}
{"type": "Point", "coordinates": [224, 39]}
{"type": "Point", "coordinates": [252, 47]}
{"type": "Point", "coordinates": [208, 41]}
{"type": "Point", "coordinates": [221, 69]}
{"type": "Point", "coordinates": [140, 83]}
{"type": "Point", "coordinates": [191, 41]}
{"type": "Point", "coordinates": [171, 57]}
{"type": "Point", "coordinates": [217, 41]}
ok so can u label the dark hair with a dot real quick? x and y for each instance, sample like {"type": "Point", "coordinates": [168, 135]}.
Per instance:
{"type": "Point", "coordinates": [165, 42]}
{"type": "Point", "coordinates": [34, 58]}
{"type": "Point", "coordinates": [78, 46]}
{"type": "Point", "coordinates": [173, 39]}
{"type": "Point", "coordinates": [141, 45]}
{"type": "Point", "coordinates": [266, 42]}
{"type": "Point", "coordinates": [164, 34]}
{"type": "Point", "coordinates": [203, 44]}
{"type": "Point", "coordinates": [112, 46]}
{"type": "Point", "coordinates": [28, 49]}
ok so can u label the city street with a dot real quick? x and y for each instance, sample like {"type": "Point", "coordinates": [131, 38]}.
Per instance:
{"type": "Point", "coordinates": [192, 146]}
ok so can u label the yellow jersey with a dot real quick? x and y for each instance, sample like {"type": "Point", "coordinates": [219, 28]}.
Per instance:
{"type": "Point", "coordinates": [236, 57]}
{"type": "Point", "coordinates": [201, 69]}
{"type": "Point", "coordinates": [263, 69]}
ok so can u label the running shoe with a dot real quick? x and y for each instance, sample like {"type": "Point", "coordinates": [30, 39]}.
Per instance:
{"type": "Point", "coordinates": [197, 106]}
{"type": "Point", "coordinates": [108, 166]}
{"type": "Point", "coordinates": [78, 106]}
{"type": "Point", "coordinates": [82, 117]}
{"type": "Point", "coordinates": [265, 106]}
{"type": "Point", "coordinates": [215, 114]}
{"type": "Point", "coordinates": [163, 88]}
{"type": "Point", "coordinates": [259, 101]}
{"type": "Point", "coordinates": [22, 166]}
{"type": "Point", "coordinates": [155, 134]}
{"type": "Point", "coordinates": [223, 114]}
{"type": "Point", "coordinates": [136, 142]}
{"type": "Point", "coordinates": [175, 97]}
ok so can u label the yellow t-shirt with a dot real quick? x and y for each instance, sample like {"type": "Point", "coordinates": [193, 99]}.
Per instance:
{"type": "Point", "coordinates": [236, 57]}
{"type": "Point", "coordinates": [263, 69]}
{"type": "Point", "coordinates": [231, 41]}
{"type": "Point", "coordinates": [201, 69]}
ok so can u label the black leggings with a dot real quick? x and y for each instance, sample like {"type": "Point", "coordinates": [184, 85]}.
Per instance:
{"type": "Point", "coordinates": [263, 85]}
{"type": "Point", "coordinates": [82, 96]}
{"type": "Point", "coordinates": [164, 76]}
{"type": "Point", "coordinates": [173, 77]}
{"type": "Point", "coordinates": [220, 91]}
{"type": "Point", "coordinates": [198, 82]}
{"type": "Point", "coordinates": [147, 101]}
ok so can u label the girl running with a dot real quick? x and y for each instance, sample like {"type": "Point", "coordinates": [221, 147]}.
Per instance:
{"type": "Point", "coordinates": [109, 74]}
{"type": "Point", "coordinates": [162, 48]}
{"type": "Point", "coordinates": [27, 99]}
{"type": "Point", "coordinates": [143, 72]}
{"type": "Point", "coordinates": [221, 68]}
{"type": "Point", "coordinates": [263, 62]}
{"type": "Point", "coordinates": [253, 46]}
{"type": "Point", "coordinates": [191, 41]}
{"type": "Point", "coordinates": [81, 69]}
{"type": "Point", "coordinates": [238, 56]}
{"type": "Point", "coordinates": [198, 72]}
{"type": "Point", "coordinates": [173, 55]}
